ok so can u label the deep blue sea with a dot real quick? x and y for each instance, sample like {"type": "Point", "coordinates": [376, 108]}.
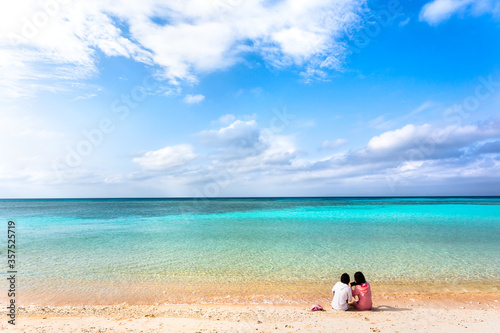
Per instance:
{"type": "Point", "coordinates": [176, 250]}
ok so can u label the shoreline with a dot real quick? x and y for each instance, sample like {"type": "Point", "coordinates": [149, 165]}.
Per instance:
{"type": "Point", "coordinates": [468, 312]}
{"type": "Point", "coordinates": [189, 292]}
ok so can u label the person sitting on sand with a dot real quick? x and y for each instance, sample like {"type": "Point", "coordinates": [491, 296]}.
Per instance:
{"type": "Point", "coordinates": [342, 293]}
{"type": "Point", "coordinates": [363, 291]}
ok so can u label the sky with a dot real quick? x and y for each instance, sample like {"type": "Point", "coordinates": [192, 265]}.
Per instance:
{"type": "Point", "coordinates": [245, 98]}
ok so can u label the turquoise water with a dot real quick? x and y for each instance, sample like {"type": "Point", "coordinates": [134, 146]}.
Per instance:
{"type": "Point", "coordinates": [77, 244]}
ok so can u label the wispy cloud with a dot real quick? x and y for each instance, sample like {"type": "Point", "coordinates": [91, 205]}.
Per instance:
{"type": "Point", "coordinates": [194, 99]}
{"type": "Point", "coordinates": [166, 158]}
{"type": "Point", "coordinates": [404, 22]}
{"type": "Point", "coordinates": [422, 107]}
{"type": "Point", "coordinates": [333, 144]}
{"type": "Point", "coordinates": [438, 11]}
{"type": "Point", "coordinates": [179, 39]}
{"type": "Point", "coordinates": [225, 119]}
{"type": "Point", "coordinates": [85, 96]}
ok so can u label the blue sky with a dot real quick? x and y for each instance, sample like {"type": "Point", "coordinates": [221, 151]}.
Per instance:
{"type": "Point", "coordinates": [249, 98]}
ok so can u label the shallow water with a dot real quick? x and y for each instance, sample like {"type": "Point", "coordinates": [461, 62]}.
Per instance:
{"type": "Point", "coordinates": [178, 250]}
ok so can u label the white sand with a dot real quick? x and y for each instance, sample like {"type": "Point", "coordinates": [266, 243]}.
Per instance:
{"type": "Point", "coordinates": [410, 313]}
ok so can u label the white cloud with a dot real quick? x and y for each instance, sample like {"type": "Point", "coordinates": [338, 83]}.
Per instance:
{"type": "Point", "coordinates": [241, 149]}
{"type": "Point", "coordinates": [194, 99]}
{"type": "Point", "coordinates": [413, 165]}
{"type": "Point", "coordinates": [404, 22]}
{"type": "Point", "coordinates": [225, 119]}
{"type": "Point", "coordinates": [27, 144]}
{"type": "Point", "coordinates": [389, 121]}
{"type": "Point", "coordinates": [333, 144]}
{"type": "Point", "coordinates": [166, 158]}
{"type": "Point", "coordinates": [243, 134]}
{"type": "Point", "coordinates": [44, 46]}
{"type": "Point", "coordinates": [281, 150]}
{"type": "Point", "coordinates": [433, 139]}
{"type": "Point", "coordinates": [85, 96]}
{"type": "Point", "coordinates": [251, 158]}
{"type": "Point", "coordinates": [181, 39]}
{"type": "Point", "coordinates": [381, 122]}
{"type": "Point", "coordinates": [422, 107]}
{"type": "Point", "coordinates": [411, 157]}
{"type": "Point", "coordinates": [438, 11]}
{"type": "Point", "coordinates": [398, 138]}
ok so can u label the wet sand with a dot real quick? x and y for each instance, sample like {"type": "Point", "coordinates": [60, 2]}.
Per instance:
{"type": "Point", "coordinates": [77, 293]}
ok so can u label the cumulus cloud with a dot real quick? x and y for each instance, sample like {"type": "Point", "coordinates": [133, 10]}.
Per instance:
{"type": "Point", "coordinates": [59, 40]}
{"type": "Point", "coordinates": [245, 155]}
{"type": "Point", "coordinates": [429, 141]}
{"type": "Point", "coordinates": [281, 150]}
{"type": "Point", "coordinates": [243, 134]}
{"type": "Point", "coordinates": [413, 155]}
{"type": "Point", "coordinates": [438, 11]}
{"type": "Point", "coordinates": [194, 99]}
{"type": "Point", "coordinates": [411, 148]}
{"type": "Point", "coordinates": [242, 149]}
{"type": "Point", "coordinates": [166, 158]}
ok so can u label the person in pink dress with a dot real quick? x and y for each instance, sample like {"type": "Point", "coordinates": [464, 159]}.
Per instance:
{"type": "Point", "coordinates": [363, 291]}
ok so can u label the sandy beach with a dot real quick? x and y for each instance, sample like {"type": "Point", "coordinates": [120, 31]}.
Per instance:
{"type": "Point", "coordinates": [209, 166]}
{"type": "Point", "coordinates": [464, 312]}
{"type": "Point", "coordinates": [254, 265]}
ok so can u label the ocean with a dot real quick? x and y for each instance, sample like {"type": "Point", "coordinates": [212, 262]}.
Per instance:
{"type": "Point", "coordinates": [251, 250]}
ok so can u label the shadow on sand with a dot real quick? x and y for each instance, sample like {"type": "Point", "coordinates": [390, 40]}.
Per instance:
{"type": "Point", "coordinates": [387, 308]}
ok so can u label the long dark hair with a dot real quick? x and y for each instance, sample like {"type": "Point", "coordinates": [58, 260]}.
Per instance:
{"type": "Point", "coordinates": [359, 278]}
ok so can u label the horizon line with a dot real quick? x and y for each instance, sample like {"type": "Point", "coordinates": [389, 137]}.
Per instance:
{"type": "Point", "coordinates": [257, 197]}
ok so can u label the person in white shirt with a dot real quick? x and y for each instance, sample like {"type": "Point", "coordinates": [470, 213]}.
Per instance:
{"type": "Point", "coordinates": [342, 293]}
